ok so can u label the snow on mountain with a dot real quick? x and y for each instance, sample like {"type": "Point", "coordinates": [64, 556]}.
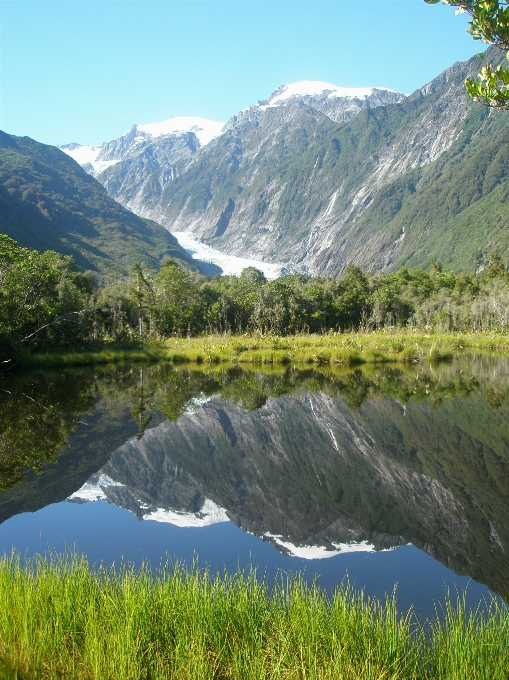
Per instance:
{"type": "Point", "coordinates": [87, 156]}
{"type": "Point", "coordinates": [93, 489]}
{"type": "Point", "coordinates": [95, 159]}
{"type": "Point", "coordinates": [322, 91]}
{"type": "Point", "coordinates": [209, 513]}
{"type": "Point", "coordinates": [81, 154]}
{"type": "Point", "coordinates": [313, 88]}
{"type": "Point", "coordinates": [206, 130]}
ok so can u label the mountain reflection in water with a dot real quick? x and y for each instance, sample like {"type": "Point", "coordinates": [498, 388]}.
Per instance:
{"type": "Point", "coordinates": [316, 463]}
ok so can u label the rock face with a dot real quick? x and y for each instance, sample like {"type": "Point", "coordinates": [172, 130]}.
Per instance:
{"type": "Point", "coordinates": [302, 188]}
{"type": "Point", "coordinates": [138, 180]}
{"type": "Point", "coordinates": [137, 166]}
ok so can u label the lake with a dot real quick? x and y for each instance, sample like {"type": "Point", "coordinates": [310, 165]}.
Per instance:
{"type": "Point", "coordinates": [390, 477]}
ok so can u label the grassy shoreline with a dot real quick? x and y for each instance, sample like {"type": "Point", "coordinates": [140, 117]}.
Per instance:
{"type": "Point", "coordinates": [60, 619]}
{"type": "Point", "coordinates": [331, 349]}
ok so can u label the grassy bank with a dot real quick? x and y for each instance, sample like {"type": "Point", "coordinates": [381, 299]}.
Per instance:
{"type": "Point", "coordinates": [61, 620]}
{"type": "Point", "coordinates": [343, 349]}
{"type": "Point", "coordinates": [346, 348]}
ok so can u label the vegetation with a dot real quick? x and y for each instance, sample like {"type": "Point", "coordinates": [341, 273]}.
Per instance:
{"type": "Point", "coordinates": [46, 305]}
{"type": "Point", "coordinates": [61, 619]}
{"type": "Point", "coordinates": [489, 23]}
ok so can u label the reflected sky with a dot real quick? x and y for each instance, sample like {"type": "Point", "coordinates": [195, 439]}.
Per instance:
{"type": "Point", "coordinates": [109, 534]}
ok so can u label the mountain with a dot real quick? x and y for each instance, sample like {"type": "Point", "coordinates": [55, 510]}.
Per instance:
{"type": "Point", "coordinates": [321, 176]}
{"type": "Point", "coordinates": [337, 103]}
{"type": "Point", "coordinates": [140, 163]}
{"type": "Point", "coordinates": [147, 164]}
{"type": "Point", "coordinates": [95, 159]}
{"type": "Point", "coordinates": [288, 183]}
{"type": "Point", "coordinates": [47, 201]}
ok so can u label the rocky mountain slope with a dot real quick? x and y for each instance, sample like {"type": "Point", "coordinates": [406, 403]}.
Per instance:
{"type": "Point", "coordinates": [321, 177]}
{"type": "Point", "coordinates": [300, 114]}
{"type": "Point", "coordinates": [47, 201]}
{"type": "Point", "coordinates": [143, 161]}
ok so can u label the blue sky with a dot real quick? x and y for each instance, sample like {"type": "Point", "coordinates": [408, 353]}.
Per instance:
{"type": "Point", "coordinates": [86, 70]}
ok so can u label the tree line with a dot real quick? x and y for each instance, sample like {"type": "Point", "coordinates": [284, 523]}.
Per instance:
{"type": "Point", "coordinates": [46, 303]}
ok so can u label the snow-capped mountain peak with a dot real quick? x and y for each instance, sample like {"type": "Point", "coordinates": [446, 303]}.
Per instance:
{"type": "Point", "coordinates": [318, 88]}
{"type": "Point", "coordinates": [87, 157]}
{"type": "Point", "coordinates": [206, 130]}
{"type": "Point", "coordinates": [95, 159]}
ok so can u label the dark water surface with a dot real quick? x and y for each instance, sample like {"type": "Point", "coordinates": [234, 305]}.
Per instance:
{"type": "Point", "coordinates": [388, 475]}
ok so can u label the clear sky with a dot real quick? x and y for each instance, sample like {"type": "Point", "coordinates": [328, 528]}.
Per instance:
{"type": "Point", "coordinates": [86, 70]}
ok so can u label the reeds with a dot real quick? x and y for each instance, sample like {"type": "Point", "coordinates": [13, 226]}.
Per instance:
{"type": "Point", "coordinates": [106, 355]}
{"type": "Point", "coordinates": [61, 619]}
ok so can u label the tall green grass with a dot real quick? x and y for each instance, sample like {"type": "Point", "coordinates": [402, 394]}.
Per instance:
{"type": "Point", "coordinates": [343, 349]}
{"type": "Point", "coordinates": [61, 619]}
{"type": "Point", "coordinates": [106, 355]}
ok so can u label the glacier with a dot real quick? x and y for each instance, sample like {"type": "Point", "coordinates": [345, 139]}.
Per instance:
{"type": "Point", "coordinates": [229, 264]}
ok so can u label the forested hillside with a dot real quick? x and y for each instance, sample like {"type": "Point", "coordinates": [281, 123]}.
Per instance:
{"type": "Point", "coordinates": [47, 201]}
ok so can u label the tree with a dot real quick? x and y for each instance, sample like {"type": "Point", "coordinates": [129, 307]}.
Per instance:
{"type": "Point", "coordinates": [141, 292]}
{"type": "Point", "coordinates": [253, 275]}
{"type": "Point", "coordinates": [490, 24]}
{"type": "Point", "coordinates": [495, 268]}
{"type": "Point", "coordinates": [178, 308]}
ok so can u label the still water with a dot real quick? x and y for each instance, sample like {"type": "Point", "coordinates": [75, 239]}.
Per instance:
{"type": "Point", "coordinates": [384, 475]}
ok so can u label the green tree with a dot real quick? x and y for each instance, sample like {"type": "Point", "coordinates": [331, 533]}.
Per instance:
{"type": "Point", "coordinates": [495, 268]}
{"type": "Point", "coordinates": [115, 311]}
{"type": "Point", "coordinates": [490, 24]}
{"type": "Point", "coordinates": [142, 296]}
{"type": "Point", "coordinates": [253, 275]}
{"type": "Point", "coordinates": [43, 300]}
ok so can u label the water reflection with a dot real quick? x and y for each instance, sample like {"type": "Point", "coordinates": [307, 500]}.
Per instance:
{"type": "Point", "coordinates": [316, 463]}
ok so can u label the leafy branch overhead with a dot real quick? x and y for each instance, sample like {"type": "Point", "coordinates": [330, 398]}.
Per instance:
{"type": "Point", "coordinates": [489, 23]}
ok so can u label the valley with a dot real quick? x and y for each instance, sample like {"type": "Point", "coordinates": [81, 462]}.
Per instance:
{"type": "Point", "coordinates": [317, 177]}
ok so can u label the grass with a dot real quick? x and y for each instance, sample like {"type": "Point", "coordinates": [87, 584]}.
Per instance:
{"type": "Point", "coordinates": [348, 349]}
{"type": "Point", "coordinates": [332, 349]}
{"type": "Point", "coordinates": [61, 619]}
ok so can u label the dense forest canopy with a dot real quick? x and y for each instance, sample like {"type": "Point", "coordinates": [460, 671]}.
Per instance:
{"type": "Point", "coordinates": [46, 303]}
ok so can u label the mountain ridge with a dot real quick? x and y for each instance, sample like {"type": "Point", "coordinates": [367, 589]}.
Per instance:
{"type": "Point", "coordinates": [139, 179]}
{"type": "Point", "coordinates": [319, 181]}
